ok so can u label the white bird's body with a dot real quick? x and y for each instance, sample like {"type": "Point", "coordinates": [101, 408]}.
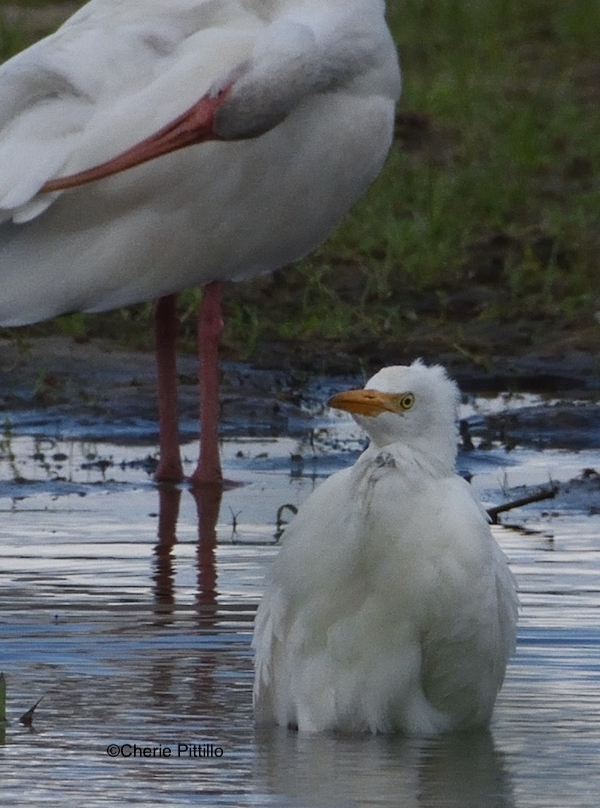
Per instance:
{"type": "Point", "coordinates": [390, 606]}
{"type": "Point", "coordinates": [306, 128]}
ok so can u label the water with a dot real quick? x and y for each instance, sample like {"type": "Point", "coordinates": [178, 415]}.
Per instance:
{"type": "Point", "coordinates": [138, 637]}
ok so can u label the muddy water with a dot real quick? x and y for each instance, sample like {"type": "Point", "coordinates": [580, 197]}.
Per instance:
{"type": "Point", "coordinates": [138, 637]}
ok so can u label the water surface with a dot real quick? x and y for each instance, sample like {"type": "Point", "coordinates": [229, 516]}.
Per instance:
{"type": "Point", "coordinates": [138, 636]}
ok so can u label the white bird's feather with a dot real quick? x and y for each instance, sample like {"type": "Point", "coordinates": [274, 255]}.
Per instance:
{"type": "Point", "coordinates": [390, 605]}
{"type": "Point", "coordinates": [326, 76]}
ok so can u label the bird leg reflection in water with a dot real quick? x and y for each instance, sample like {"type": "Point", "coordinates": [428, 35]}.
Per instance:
{"type": "Point", "coordinates": [390, 606]}
{"type": "Point", "coordinates": [169, 498]}
{"type": "Point", "coordinates": [208, 503]}
{"type": "Point", "coordinates": [164, 678]}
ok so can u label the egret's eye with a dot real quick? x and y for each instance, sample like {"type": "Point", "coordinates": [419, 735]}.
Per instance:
{"type": "Point", "coordinates": [406, 401]}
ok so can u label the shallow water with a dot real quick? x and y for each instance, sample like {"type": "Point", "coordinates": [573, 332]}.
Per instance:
{"type": "Point", "coordinates": [138, 637]}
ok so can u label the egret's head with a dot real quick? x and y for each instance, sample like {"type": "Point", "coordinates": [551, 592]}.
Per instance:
{"type": "Point", "coordinates": [414, 404]}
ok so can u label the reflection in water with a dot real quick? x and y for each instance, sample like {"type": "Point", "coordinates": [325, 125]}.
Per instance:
{"type": "Point", "coordinates": [209, 659]}
{"type": "Point", "coordinates": [462, 771]}
{"type": "Point", "coordinates": [169, 498]}
{"type": "Point", "coordinates": [465, 770]}
{"type": "Point", "coordinates": [204, 660]}
{"type": "Point", "coordinates": [208, 503]}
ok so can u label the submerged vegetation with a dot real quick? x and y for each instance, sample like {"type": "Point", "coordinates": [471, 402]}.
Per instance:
{"type": "Point", "coordinates": [481, 234]}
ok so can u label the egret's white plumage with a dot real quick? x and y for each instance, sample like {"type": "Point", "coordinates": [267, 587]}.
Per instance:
{"type": "Point", "coordinates": [307, 124]}
{"type": "Point", "coordinates": [390, 605]}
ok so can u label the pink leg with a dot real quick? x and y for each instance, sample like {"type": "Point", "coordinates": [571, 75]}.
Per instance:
{"type": "Point", "coordinates": [165, 330]}
{"type": "Point", "coordinates": [210, 325]}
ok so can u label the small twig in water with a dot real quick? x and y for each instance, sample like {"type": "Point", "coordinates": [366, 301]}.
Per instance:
{"type": "Point", "coordinates": [546, 493]}
{"type": "Point", "coordinates": [234, 518]}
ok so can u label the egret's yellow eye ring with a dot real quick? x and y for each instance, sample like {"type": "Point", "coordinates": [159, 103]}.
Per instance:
{"type": "Point", "coordinates": [406, 401]}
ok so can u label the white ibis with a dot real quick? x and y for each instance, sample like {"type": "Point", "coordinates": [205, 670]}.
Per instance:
{"type": "Point", "coordinates": [390, 606]}
{"type": "Point", "coordinates": [286, 109]}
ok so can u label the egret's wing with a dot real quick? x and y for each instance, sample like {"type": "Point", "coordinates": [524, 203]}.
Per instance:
{"type": "Point", "coordinates": [296, 610]}
{"type": "Point", "coordinates": [268, 635]}
{"type": "Point", "coordinates": [470, 631]}
{"type": "Point", "coordinates": [434, 555]}
{"type": "Point", "coordinates": [100, 84]}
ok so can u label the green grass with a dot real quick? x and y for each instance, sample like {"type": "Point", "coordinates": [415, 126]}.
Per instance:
{"type": "Point", "coordinates": [508, 99]}
{"type": "Point", "coordinates": [492, 188]}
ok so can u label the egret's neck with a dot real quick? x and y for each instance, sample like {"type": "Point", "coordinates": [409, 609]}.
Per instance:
{"type": "Point", "coordinates": [437, 445]}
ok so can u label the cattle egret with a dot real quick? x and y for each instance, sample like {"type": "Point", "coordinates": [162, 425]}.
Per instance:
{"type": "Point", "coordinates": [390, 606]}
{"type": "Point", "coordinates": [286, 108]}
